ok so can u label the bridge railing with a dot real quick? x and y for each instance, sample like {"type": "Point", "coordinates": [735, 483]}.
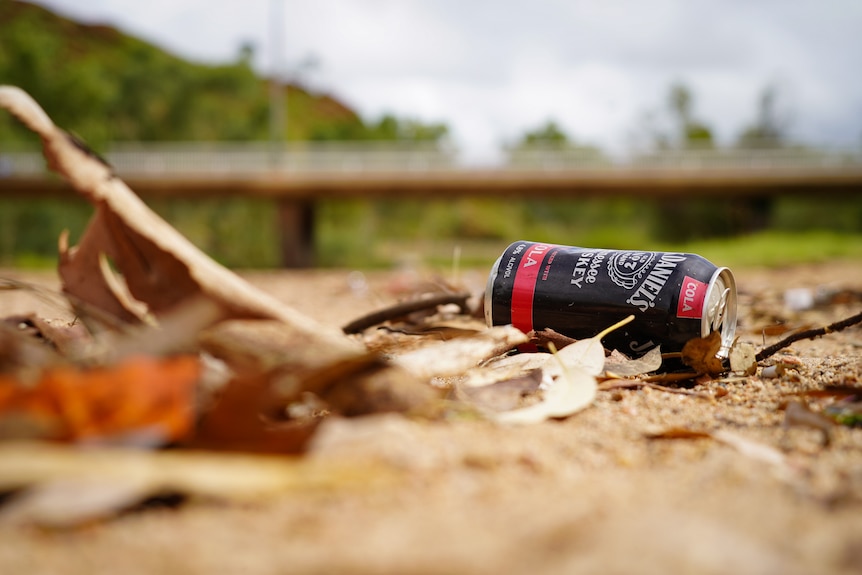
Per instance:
{"type": "Point", "coordinates": [217, 159]}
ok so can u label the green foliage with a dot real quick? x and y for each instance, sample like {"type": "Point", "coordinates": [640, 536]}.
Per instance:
{"type": "Point", "coordinates": [391, 128]}
{"type": "Point", "coordinates": [549, 133]}
{"type": "Point", "coordinates": [777, 248]}
{"type": "Point", "coordinates": [29, 229]}
{"type": "Point", "coordinates": [106, 86]}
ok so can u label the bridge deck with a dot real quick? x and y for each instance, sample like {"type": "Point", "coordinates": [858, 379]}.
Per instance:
{"type": "Point", "coordinates": [649, 183]}
{"type": "Point", "coordinates": [297, 180]}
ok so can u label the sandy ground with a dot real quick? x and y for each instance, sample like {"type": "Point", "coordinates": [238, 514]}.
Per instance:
{"type": "Point", "coordinates": [589, 494]}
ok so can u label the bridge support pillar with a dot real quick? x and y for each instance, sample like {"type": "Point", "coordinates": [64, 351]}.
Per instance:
{"type": "Point", "coordinates": [296, 233]}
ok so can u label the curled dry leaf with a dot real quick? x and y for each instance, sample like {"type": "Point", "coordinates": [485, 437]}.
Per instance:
{"type": "Point", "coordinates": [700, 354]}
{"type": "Point", "coordinates": [622, 366]}
{"type": "Point", "coordinates": [502, 368]}
{"type": "Point", "coordinates": [502, 395]}
{"type": "Point", "coordinates": [572, 391]}
{"type": "Point", "coordinates": [20, 352]}
{"type": "Point", "coordinates": [160, 267]}
{"type": "Point", "coordinates": [68, 339]}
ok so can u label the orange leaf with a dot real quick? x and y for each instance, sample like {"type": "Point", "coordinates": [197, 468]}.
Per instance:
{"type": "Point", "coordinates": [141, 395]}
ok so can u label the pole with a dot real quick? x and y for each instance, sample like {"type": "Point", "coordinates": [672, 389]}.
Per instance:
{"type": "Point", "coordinates": [277, 96]}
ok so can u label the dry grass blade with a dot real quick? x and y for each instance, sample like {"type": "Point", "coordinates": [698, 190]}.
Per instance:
{"type": "Point", "coordinates": [224, 476]}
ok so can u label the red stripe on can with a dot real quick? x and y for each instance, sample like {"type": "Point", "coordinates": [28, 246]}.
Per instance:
{"type": "Point", "coordinates": [524, 286]}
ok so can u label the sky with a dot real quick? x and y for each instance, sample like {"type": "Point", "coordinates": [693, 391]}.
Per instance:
{"type": "Point", "coordinates": [493, 69]}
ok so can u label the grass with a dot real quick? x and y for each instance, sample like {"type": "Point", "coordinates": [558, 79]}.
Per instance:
{"type": "Point", "coordinates": [243, 233]}
{"type": "Point", "coordinates": [778, 248]}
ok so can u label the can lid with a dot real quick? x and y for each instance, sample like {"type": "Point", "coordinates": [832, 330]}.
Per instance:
{"type": "Point", "coordinates": [720, 310]}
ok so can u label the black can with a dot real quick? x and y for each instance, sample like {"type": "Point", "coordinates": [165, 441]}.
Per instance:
{"type": "Point", "coordinates": [581, 291]}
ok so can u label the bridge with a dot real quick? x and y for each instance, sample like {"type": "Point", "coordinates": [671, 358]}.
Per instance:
{"type": "Point", "coordinates": [298, 175]}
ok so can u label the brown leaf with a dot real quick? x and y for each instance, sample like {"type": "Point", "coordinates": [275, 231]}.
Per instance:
{"type": "Point", "coordinates": [383, 389]}
{"type": "Point", "coordinates": [247, 416]}
{"type": "Point", "coordinates": [160, 267]}
{"type": "Point", "coordinates": [68, 339]}
{"type": "Point", "coordinates": [252, 347]}
{"type": "Point", "coordinates": [700, 354]}
{"type": "Point", "coordinates": [679, 433]}
{"type": "Point", "coordinates": [20, 351]}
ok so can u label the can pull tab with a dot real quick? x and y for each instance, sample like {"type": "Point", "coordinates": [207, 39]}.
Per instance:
{"type": "Point", "coordinates": [716, 311]}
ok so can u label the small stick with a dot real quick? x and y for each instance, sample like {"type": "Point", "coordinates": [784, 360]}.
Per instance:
{"type": "Point", "coordinates": [671, 377]}
{"type": "Point", "coordinates": [807, 334]}
{"type": "Point", "coordinates": [404, 308]}
{"type": "Point", "coordinates": [631, 383]}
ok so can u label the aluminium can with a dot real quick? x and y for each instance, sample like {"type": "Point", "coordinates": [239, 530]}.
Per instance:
{"type": "Point", "coordinates": [579, 292]}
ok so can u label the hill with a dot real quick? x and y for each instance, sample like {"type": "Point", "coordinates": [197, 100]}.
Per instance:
{"type": "Point", "coordinates": [108, 86]}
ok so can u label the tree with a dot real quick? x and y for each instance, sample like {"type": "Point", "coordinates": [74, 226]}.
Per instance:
{"type": "Point", "coordinates": [549, 146]}
{"type": "Point", "coordinates": [690, 132]}
{"type": "Point", "coordinates": [549, 134]}
{"type": "Point", "coordinates": [770, 126]}
{"type": "Point", "coordinates": [391, 128]}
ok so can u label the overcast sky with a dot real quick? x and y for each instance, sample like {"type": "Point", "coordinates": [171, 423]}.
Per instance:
{"type": "Point", "coordinates": [492, 69]}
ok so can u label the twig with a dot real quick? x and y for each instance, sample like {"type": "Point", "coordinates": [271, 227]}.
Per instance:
{"type": "Point", "coordinates": [678, 391]}
{"type": "Point", "coordinates": [672, 377]}
{"type": "Point", "coordinates": [548, 336]}
{"type": "Point", "coordinates": [632, 383]}
{"type": "Point", "coordinates": [404, 308]}
{"type": "Point", "coordinates": [808, 334]}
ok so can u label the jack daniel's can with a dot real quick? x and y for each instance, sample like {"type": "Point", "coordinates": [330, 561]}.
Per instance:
{"type": "Point", "coordinates": [580, 291]}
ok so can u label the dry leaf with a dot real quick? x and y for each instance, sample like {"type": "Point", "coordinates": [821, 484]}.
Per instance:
{"type": "Point", "coordinates": [585, 354]}
{"type": "Point", "coordinates": [572, 391]}
{"type": "Point", "coordinates": [742, 358]}
{"type": "Point", "coordinates": [140, 399]}
{"type": "Point", "coordinates": [455, 357]}
{"type": "Point", "coordinates": [505, 367]}
{"type": "Point", "coordinates": [20, 352]}
{"type": "Point", "coordinates": [248, 415]}
{"type": "Point", "coordinates": [160, 267]}
{"type": "Point", "coordinates": [64, 504]}
{"type": "Point", "coordinates": [131, 472]}
{"type": "Point", "coordinates": [700, 354]}
{"type": "Point", "coordinates": [252, 347]}
{"type": "Point", "coordinates": [502, 395]}
{"type": "Point", "coordinates": [622, 366]}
